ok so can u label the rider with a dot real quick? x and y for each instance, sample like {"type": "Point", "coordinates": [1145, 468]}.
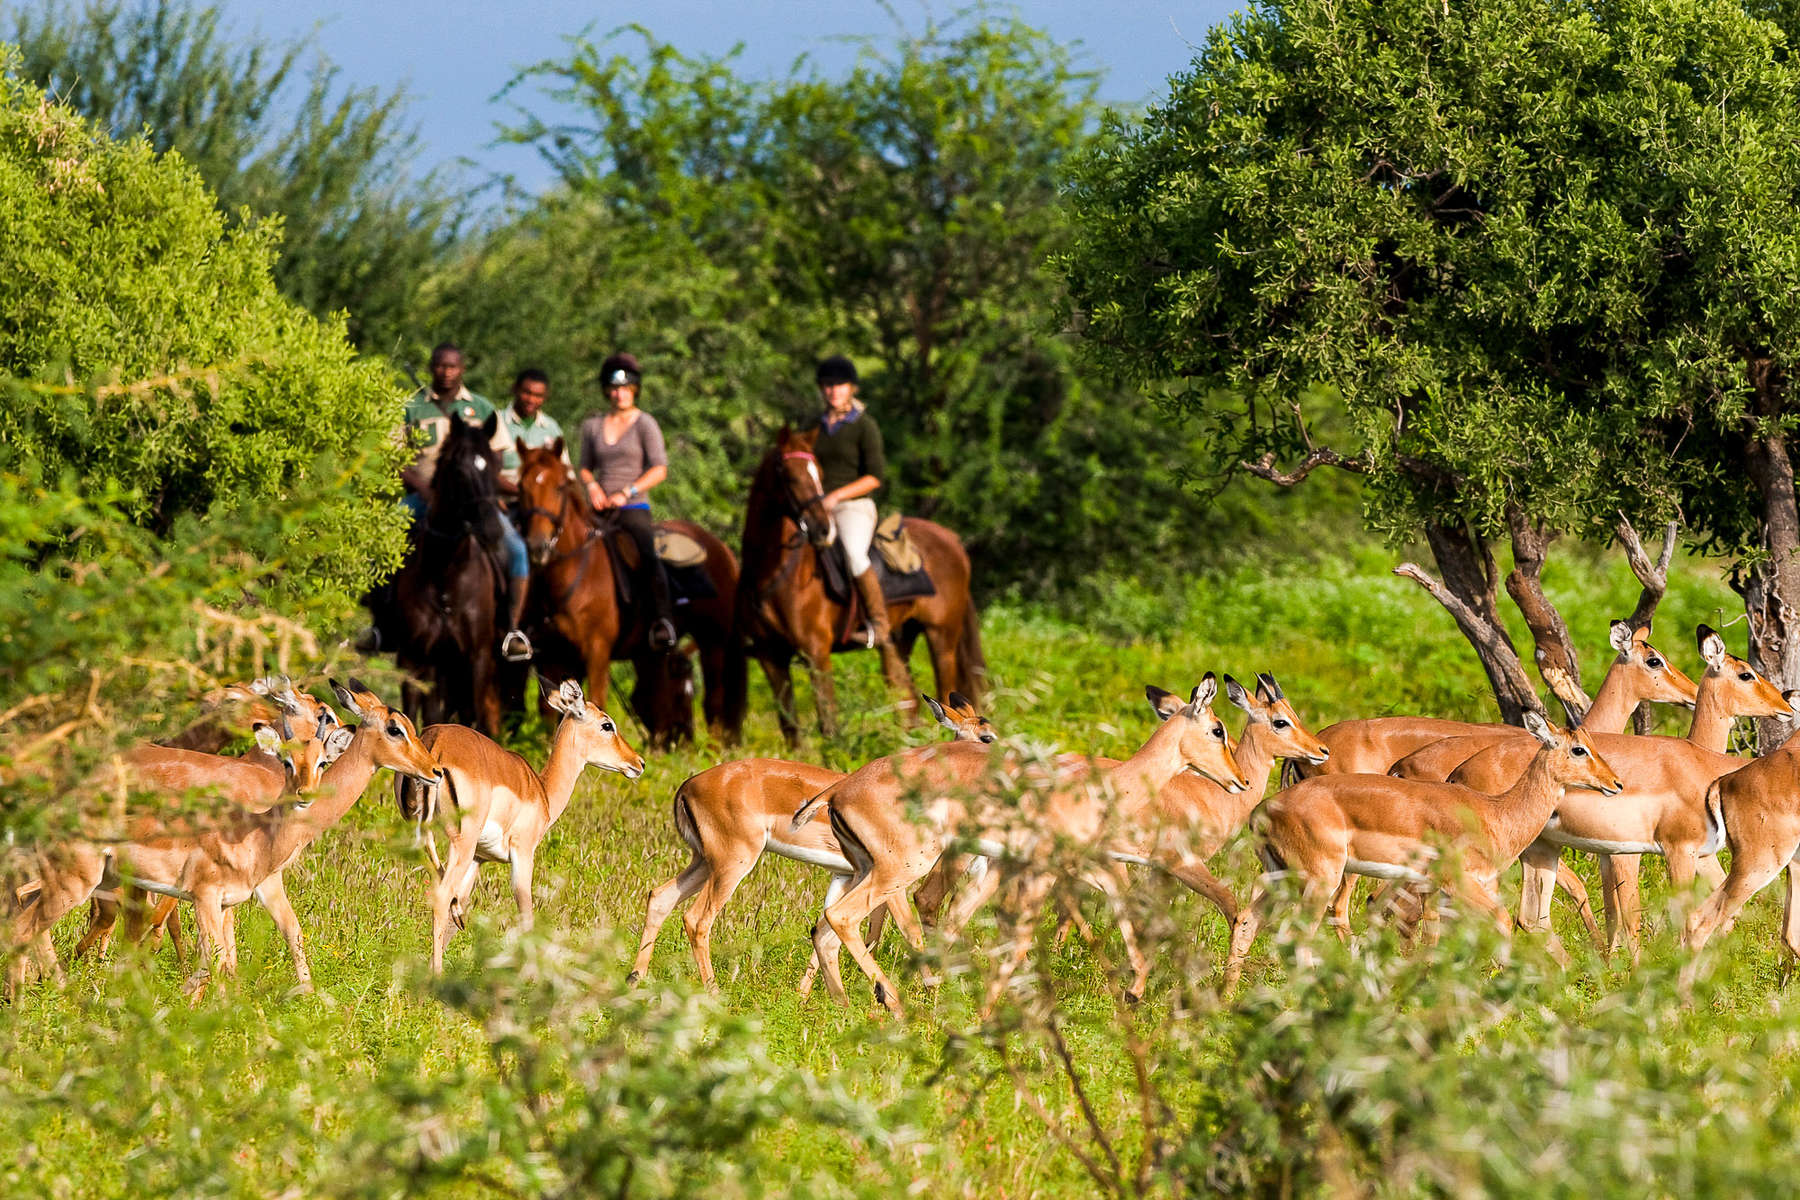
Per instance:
{"type": "Point", "coordinates": [526, 424]}
{"type": "Point", "coordinates": [622, 458]}
{"type": "Point", "coordinates": [427, 417]}
{"type": "Point", "coordinates": [852, 468]}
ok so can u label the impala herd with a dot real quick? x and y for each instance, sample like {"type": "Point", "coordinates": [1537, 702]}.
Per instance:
{"type": "Point", "coordinates": [1430, 808]}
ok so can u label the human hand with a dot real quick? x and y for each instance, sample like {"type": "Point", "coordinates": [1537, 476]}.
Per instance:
{"type": "Point", "coordinates": [596, 497]}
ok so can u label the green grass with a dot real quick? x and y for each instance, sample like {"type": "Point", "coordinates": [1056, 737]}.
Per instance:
{"type": "Point", "coordinates": [532, 1063]}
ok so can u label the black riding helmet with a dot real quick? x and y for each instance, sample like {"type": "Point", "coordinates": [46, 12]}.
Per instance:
{"type": "Point", "coordinates": [836, 369]}
{"type": "Point", "coordinates": [620, 368]}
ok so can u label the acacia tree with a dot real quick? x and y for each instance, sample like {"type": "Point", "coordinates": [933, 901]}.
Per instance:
{"type": "Point", "coordinates": [1501, 232]}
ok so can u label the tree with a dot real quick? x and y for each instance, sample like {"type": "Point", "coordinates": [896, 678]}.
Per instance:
{"type": "Point", "coordinates": [330, 162]}
{"type": "Point", "coordinates": [1501, 232]}
{"type": "Point", "coordinates": [187, 460]}
{"type": "Point", "coordinates": [732, 233]}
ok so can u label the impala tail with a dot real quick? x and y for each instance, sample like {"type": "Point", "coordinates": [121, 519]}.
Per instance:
{"type": "Point", "coordinates": [1715, 820]}
{"type": "Point", "coordinates": [684, 818]}
{"type": "Point", "coordinates": [805, 812]}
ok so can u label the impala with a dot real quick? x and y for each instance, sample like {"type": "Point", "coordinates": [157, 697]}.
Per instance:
{"type": "Point", "coordinates": [1662, 809]}
{"type": "Point", "coordinates": [890, 851]}
{"type": "Point", "coordinates": [223, 865]}
{"type": "Point", "coordinates": [497, 809]}
{"type": "Point", "coordinates": [1336, 825]}
{"type": "Point", "coordinates": [1639, 674]}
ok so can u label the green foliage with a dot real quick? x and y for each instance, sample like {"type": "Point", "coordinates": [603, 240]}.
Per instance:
{"type": "Point", "coordinates": [1531, 247]}
{"type": "Point", "coordinates": [325, 162]}
{"type": "Point", "coordinates": [731, 234]}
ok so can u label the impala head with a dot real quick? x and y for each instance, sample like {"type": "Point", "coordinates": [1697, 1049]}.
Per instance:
{"type": "Point", "coordinates": [304, 714]}
{"type": "Point", "coordinates": [1651, 676]}
{"type": "Point", "coordinates": [305, 757]}
{"type": "Point", "coordinates": [1268, 707]}
{"type": "Point", "coordinates": [598, 737]}
{"type": "Point", "coordinates": [1574, 762]}
{"type": "Point", "coordinates": [957, 714]}
{"type": "Point", "coordinates": [1205, 746]}
{"type": "Point", "coordinates": [1740, 687]}
{"type": "Point", "coordinates": [802, 485]}
{"type": "Point", "coordinates": [393, 742]}
{"type": "Point", "coordinates": [547, 496]}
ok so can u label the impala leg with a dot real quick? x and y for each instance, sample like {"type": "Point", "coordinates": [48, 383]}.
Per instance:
{"type": "Point", "coordinates": [62, 887]}
{"type": "Point", "coordinates": [1191, 871]}
{"type": "Point", "coordinates": [1340, 906]}
{"type": "Point", "coordinates": [825, 948]}
{"type": "Point", "coordinates": [978, 892]}
{"type": "Point", "coordinates": [1113, 885]}
{"type": "Point", "coordinates": [523, 867]}
{"type": "Point", "coordinates": [663, 900]}
{"type": "Point", "coordinates": [168, 916]}
{"type": "Point", "coordinates": [1243, 935]}
{"type": "Point", "coordinates": [444, 903]}
{"type": "Point", "coordinates": [935, 888]}
{"type": "Point", "coordinates": [1570, 882]}
{"type": "Point", "coordinates": [1031, 895]}
{"type": "Point", "coordinates": [103, 914]}
{"type": "Point", "coordinates": [705, 910]}
{"type": "Point", "coordinates": [1743, 882]}
{"type": "Point", "coordinates": [273, 895]}
{"type": "Point", "coordinates": [1619, 883]}
{"type": "Point", "coordinates": [1790, 916]}
{"type": "Point", "coordinates": [209, 931]}
{"type": "Point", "coordinates": [847, 915]}
{"type": "Point", "coordinates": [1538, 869]}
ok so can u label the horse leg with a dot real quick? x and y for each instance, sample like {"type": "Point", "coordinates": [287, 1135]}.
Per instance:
{"type": "Point", "coordinates": [777, 667]}
{"type": "Point", "coordinates": [944, 667]}
{"type": "Point", "coordinates": [818, 666]}
{"type": "Point", "coordinates": [712, 679]}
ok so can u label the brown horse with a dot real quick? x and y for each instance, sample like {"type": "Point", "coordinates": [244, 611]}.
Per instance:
{"type": "Point", "coordinates": [783, 608]}
{"type": "Point", "coordinates": [573, 585]}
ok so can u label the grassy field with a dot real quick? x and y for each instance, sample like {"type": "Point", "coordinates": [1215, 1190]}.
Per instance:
{"type": "Point", "coordinates": [531, 1069]}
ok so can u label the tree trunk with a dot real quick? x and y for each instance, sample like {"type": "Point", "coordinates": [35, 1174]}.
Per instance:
{"type": "Point", "coordinates": [1469, 592]}
{"type": "Point", "coordinates": [1555, 653]}
{"type": "Point", "coordinates": [1772, 588]}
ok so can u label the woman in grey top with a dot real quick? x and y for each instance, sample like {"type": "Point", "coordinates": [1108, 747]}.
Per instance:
{"type": "Point", "coordinates": [622, 458]}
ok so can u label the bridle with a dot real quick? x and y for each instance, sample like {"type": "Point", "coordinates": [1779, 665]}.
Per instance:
{"type": "Point", "coordinates": [797, 510]}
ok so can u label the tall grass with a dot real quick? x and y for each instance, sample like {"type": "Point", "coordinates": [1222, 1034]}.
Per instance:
{"type": "Point", "coordinates": [532, 1069]}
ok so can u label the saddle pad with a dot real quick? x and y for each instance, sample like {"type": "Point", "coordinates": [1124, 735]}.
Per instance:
{"type": "Point", "coordinates": [678, 549]}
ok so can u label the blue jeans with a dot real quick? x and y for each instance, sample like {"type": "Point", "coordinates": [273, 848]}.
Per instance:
{"type": "Point", "coordinates": [512, 546]}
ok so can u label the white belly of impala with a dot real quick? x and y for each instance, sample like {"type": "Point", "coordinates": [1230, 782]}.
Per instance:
{"type": "Point", "coordinates": [1553, 833]}
{"type": "Point", "coordinates": [1383, 870]}
{"type": "Point", "coordinates": [811, 855]}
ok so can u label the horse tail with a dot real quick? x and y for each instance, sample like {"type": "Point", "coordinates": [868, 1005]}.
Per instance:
{"type": "Point", "coordinates": [737, 684]}
{"type": "Point", "coordinates": [805, 812]}
{"type": "Point", "coordinates": [971, 662]}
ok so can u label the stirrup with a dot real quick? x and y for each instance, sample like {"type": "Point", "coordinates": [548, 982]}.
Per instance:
{"type": "Point", "coordinates": [662, 634]}
{"type": "Point", "coordinates": [368, 641]}
{"type": "Point", "coordinates": [515, 646]}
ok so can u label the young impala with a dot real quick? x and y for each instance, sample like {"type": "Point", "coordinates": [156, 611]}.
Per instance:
{"type": "Point", "coordinates": [1331, 826]}
{"type": "Point", "coordinates": [496, 808]}
{"type": "Point", "coordinates": [730, 814]}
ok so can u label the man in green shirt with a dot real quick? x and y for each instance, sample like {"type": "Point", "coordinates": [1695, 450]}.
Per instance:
{"type": "Point", "coordinates": [426, 417]}
{"type": "Point", "coordinates": [527, 424]}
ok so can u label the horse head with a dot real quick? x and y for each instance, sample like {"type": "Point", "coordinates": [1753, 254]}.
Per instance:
{"type": "Point", "coordinates": [803, 486]}
{"type": "Point", "coordinates": [547, 497]}
{"type": "Point", "coordinates": [467, 480]}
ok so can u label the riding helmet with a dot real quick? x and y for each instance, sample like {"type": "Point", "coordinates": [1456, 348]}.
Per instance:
{"type": "Point", "coordinates": [836, 369]}
{"type": "Point", "coordinates": [620, 368]}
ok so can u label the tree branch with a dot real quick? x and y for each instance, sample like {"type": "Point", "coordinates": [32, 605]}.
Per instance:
{"type": "Point", "coordinates": [1264, 467]}
{"type": "Point", "coordinates": [1490, 641]}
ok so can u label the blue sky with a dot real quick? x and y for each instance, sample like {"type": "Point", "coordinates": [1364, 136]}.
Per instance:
{"type": "Point", "coordinates": [453, 55]}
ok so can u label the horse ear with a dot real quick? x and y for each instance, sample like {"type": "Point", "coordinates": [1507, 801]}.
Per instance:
{"type": "Point", "coordinates": [556, 448]}
{"type": "Point", "coordinates": [490, 426]}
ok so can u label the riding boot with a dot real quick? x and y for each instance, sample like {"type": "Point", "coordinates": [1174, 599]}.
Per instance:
{"type": "Point", "coordinates": [515, 646]}
{"type": "Point", "coordinates": [868, 586]}
{"type": "Point", "coordinates": [663, 634]}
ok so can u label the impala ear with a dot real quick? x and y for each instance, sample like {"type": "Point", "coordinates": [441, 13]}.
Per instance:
{"type": "Point", "coordinates": [1234, 692]}
{"type": "Point", "coordinates": [264, 686]}
{"type": "Point", "coordinates": [1620, 636]}
{"type": "Point", "coordinates": [573, 702]}
{"type": "Point", "coordinates": [336, 742]}
{"type": "Point", "coordinates": [1267, 687]}
{"type": "Point", "coordinates": [267, 739]}
{"type": "Point", "coordinates": [1539, 728]}
{"type": "Point", "coordinates": [958, 700]}
{"type": "Point", "coordinates": [1792, 696]}
{"type": "Point", "coordinates": [1163, 704]}
{"type": "Point", "coordinates": [937, 711]}
{"type": "Point", "coordinates": [1205, 694]}
{"type": "Point", "coordinates": [1712, 646]}
{"type": "Point", "coordinates": [347, 699]}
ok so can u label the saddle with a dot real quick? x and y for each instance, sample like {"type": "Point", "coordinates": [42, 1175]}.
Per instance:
{"type": "Point", "coordinates": [899, 567]}
{"type": "Point", "coordinates": [680, 558]}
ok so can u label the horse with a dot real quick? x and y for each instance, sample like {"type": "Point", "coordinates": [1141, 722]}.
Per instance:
{"type": "Point", "coordinates": [575, 592]}
{"type": "Point", "coordinates": [447, 596]}
{"type": "Point", "coordinates": [783, 609]}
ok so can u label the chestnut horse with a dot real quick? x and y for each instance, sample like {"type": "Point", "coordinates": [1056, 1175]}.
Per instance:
{"type": "Point", "coordinates": [782, 608]}
{"type": "Point", "coordinates": [574, 590]}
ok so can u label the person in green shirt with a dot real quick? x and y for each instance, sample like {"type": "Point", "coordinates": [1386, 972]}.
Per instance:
{"type": "Point", "coordinates": [526, 423]}
{"type": "Point", "coordinates": [852, 469]}
{"type": "Point", "coordinates": [426, 420]}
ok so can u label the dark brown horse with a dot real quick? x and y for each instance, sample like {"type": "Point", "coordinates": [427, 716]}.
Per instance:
{"type": "Point", "coordinates": [783, 609]}
{"type": "Point", "coordinates": [447, 596]}
{"type": "Point", "coordinates": [573, 586]}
